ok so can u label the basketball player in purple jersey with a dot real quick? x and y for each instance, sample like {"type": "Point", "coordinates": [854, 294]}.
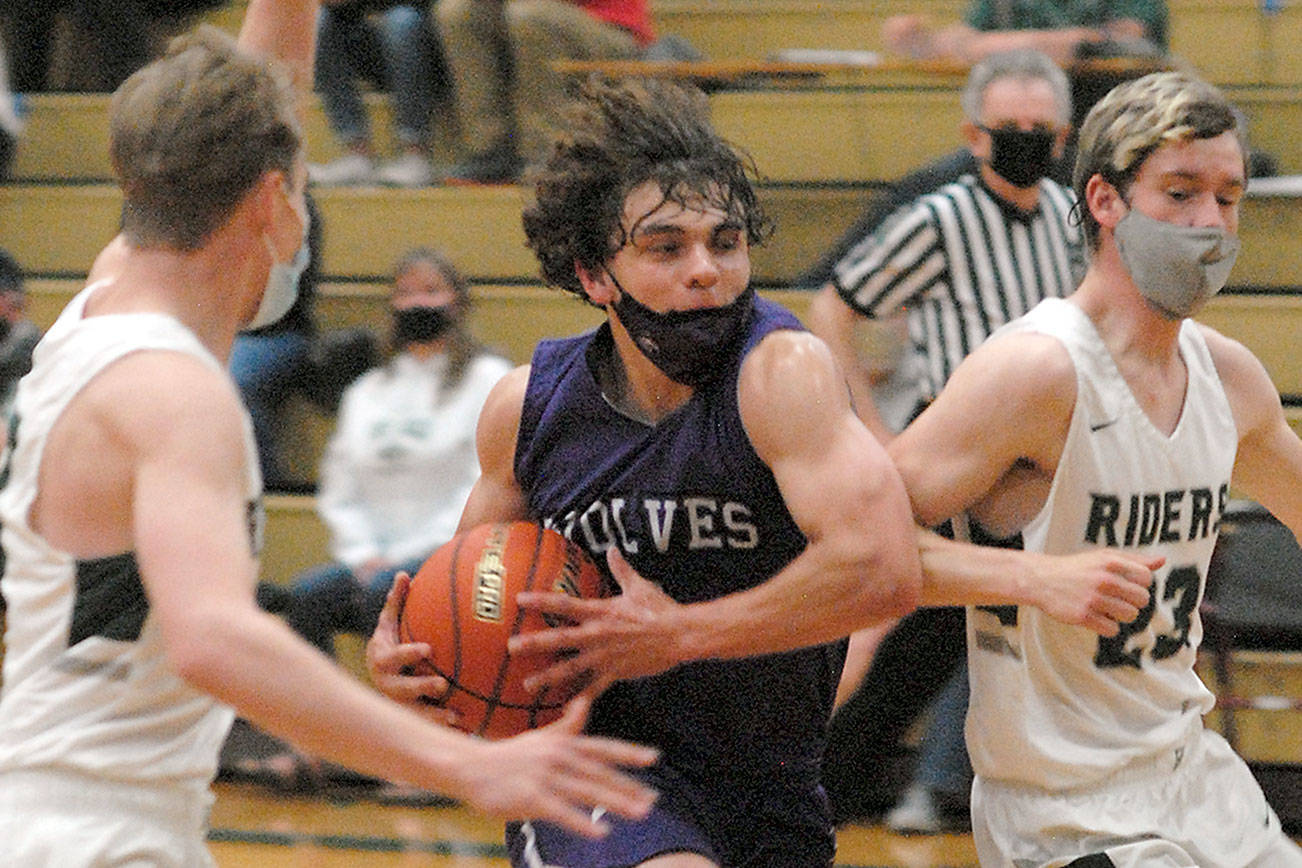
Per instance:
{"type": "Point", "coordinates": [703, 439]}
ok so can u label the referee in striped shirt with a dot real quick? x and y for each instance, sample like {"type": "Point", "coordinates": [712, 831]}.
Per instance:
{"type": "Point", "coordinates": [954, 264]}
{"type": "Point", "coordinates": [963, 260]}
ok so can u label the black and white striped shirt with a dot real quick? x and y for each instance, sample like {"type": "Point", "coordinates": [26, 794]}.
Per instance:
{"type": "Point", "coordinates": [960, 262]}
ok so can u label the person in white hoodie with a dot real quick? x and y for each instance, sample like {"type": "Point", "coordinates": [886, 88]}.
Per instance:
{"type": "Point", "coordinates": [401, 462]}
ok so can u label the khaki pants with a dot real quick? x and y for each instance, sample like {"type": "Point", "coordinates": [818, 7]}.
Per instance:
{"type": "Point", "coordinates": [500, 56]}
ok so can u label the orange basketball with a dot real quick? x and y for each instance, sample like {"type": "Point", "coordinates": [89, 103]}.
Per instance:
{"type": "Point", "coordinates": [462, 604]}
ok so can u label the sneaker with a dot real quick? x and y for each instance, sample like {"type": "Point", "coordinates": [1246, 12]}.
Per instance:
{"type": "Point", "coordinates": [352, 169]}
{"type": "Point", "coordinates": [922, 812]}
{"type": "Point", "coordinates": [500, 165]}
{"type": "Point", "coordinates": [409, 170]}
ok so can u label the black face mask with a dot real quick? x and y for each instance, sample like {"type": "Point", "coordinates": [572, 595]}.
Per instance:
{"type": "Point", "coordinates": [1021, 157]}
{"type": "Point", "coordinates": [687, 345]}
{"type": "Point", "coordinates": [420, 324]}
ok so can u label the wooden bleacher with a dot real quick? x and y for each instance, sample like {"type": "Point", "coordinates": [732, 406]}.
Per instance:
{"type": "Point", "coordinates": [823, 139]}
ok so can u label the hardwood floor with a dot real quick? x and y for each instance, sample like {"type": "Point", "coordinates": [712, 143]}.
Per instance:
{"type": "Point", "coordinates": [252, 827]}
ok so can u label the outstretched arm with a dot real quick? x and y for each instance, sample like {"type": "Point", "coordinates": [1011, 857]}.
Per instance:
{"type": "Point", "coordinates": [285, 30]}
{"type": "Point", "coordinates": [182, 447]}
{"type": "Point", "coordinates": [974, 450]}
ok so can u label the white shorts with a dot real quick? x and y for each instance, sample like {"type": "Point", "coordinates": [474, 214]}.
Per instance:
{"type": "Point", "coordinates": [56, 819]}
{"type": "Point", "coordinates": [1197, 805]}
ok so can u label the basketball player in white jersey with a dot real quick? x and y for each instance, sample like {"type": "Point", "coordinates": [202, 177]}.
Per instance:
{"type": "Point", "coordinates": [1112, 419]}
{"type": "Point", "coordinates": [130, 509]}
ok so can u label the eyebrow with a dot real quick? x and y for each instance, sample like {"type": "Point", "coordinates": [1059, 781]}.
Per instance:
{"type": "Point", "coordinates": [645, 229]}
{"type": "Point", "coordinates": [1181, 175]}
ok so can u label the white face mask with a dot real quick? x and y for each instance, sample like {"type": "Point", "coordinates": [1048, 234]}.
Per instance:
{"type": "Point", "coordinates": [281, 290]}
{"type": "Point", "coordinates": [1176, 268]}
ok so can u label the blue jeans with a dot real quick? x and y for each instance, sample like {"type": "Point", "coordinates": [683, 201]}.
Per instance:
{"type": "Point", "coordinates": [268, 369]}
{"type": "Point", "coordinates": [943, 765]}
{"type": "Point", "coordinates": [399, 45]}
{"type": "Point", "coordinates": [327, 600]}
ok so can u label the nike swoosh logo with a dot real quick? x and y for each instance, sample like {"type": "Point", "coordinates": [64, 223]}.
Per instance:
{"type": "Point", "coordinates": [1099, 426]}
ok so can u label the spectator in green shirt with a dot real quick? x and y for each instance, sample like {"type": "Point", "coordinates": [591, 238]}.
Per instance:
{"type": "Point", "coordinates": [1063, 29]}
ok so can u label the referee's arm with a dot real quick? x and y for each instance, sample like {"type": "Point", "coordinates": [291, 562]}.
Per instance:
{"type": "Point", "coordinates": [831, 319]}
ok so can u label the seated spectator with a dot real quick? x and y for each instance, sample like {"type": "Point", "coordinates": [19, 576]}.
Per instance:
{"type": "Point", "coordinates": [395, 476]}
{"type": "Point", "coordinates": [103, 41]}
{"type": "Point", "coordinates": [500, 55]}
{"type": "Point", "coordinates": [393, 44]}
{"type": "Point", "coordinates": [18, 334]}
{"type": "Point", "coordinates": [402, 460]}
{"type": "Point", "coordinates": [1063, 30]}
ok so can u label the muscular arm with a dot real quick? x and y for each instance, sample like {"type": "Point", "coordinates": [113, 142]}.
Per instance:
{"type": "Point", "coordinates": [989, 445]}
{"type": "Point", "coordinates": [859, 567]}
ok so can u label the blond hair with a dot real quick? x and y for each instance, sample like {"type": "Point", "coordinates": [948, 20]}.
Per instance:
{"type": "Point", "coordinates": [1135, 119]}
{"type": "Point", "coordinates": [192, 132]}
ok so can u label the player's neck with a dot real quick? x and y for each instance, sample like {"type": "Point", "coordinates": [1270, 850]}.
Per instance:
{"type": "Point", "coordinates": [1023, 199]}
{"type": "Point", "coordinates": [198, 289]}
{"type": "Point", "coordinates": [1128, 324]}
{"type": "Point", "coordinates": [634, 386]}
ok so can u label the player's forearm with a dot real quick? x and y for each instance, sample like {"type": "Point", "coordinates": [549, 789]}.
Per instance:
{"type": "Point", "coordinates": [961, 574]}
{"type": "Point", "coordinates": [252, 662]}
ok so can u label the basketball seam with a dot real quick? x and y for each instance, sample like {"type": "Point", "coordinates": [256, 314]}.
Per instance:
{"type": "Point", "coordinates": [456, 615]}
{"type": "Point", "coordinates": [500, 681]}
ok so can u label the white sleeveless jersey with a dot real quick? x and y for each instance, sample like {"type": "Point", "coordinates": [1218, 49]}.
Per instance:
{"type": "Point", "coordinates": [1057, 706]}
{"type": "Point", "coordinates": [85, 685]}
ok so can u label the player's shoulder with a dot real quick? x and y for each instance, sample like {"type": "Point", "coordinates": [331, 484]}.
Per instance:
{"type": "Point", "coordinates": [789, 374]}
{"type": "Point", "coordinates": [152, 397]}
{"type": "Point", "coordinates": [505, 403]}
{"type": "Point", "coordinates": [164, 378]}
{"type": "Point", "coordinates": [1236, 365]}
{"type": "Point", "coordinates": [786, 356]}
{"type": "Point", "coordinates": [1019, 368]}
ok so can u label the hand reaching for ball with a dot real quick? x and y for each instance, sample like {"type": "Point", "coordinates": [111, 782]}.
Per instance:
{"type": "Point", "coordinates": [394, 665]}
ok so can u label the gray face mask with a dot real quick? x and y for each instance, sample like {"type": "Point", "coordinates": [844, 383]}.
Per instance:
{"type": "Point", "coordinates": [1176, 268]}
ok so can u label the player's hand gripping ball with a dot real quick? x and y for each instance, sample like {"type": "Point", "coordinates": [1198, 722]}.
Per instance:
{"type": "Point", "coordinates": [462, 604]}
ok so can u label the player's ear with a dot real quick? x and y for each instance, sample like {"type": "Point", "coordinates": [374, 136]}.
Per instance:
{"type": "Point", "coordinates": [597, 284]}
{"type": "Point", "coordinates": [1060, 141]}
{"type": "Point", "coordinates": [1105, 202]}
{"type": "Point", "coordinates": [972, 137]}
{"type": "Point", "coordinates": [265, 199]}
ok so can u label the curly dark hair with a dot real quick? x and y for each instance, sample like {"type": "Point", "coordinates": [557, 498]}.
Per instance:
{"type": "Point", "coordinates": [616, 136]}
